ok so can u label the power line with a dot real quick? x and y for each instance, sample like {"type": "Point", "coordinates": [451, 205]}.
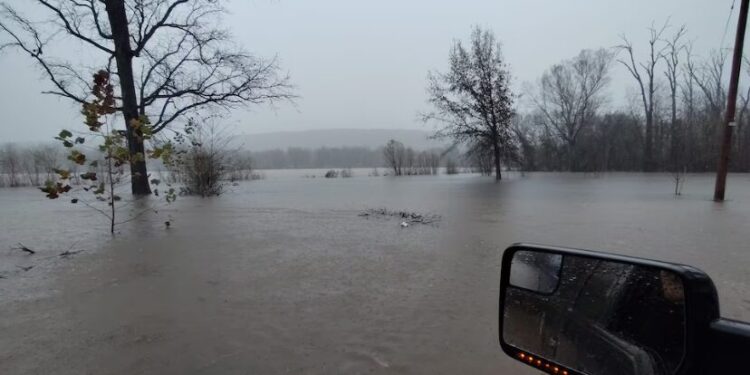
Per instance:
{"type": "Point", "coordinates": [726, 26]}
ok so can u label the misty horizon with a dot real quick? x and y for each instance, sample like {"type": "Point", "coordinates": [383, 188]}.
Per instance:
{"type": "Point", "coordinates": [365, 66]}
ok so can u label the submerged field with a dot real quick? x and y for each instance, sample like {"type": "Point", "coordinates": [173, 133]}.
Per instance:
{"type": "Point", "coordinates": [283, 275]}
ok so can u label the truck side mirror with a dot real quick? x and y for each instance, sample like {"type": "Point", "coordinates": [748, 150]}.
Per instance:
{"type": "Point", "coordinates": [567, 311]}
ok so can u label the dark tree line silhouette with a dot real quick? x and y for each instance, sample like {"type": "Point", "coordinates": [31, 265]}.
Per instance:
{"type": "Point", "coordinates": [568, 121]}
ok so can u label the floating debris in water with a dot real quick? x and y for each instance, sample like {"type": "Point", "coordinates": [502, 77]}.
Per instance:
{"type": "Point", "coordinates": [23, 248]}
{"type": "Point", "coordinates": [68, 253]}
{"type": "Point", "coordinates": [406, 217]}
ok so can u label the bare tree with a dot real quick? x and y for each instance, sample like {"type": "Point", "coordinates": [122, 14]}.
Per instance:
{"type": "Point", "coordinates": [742, 136]}
{"type": "Point", "coordinates": [432, 160]}
{"type": "Point", "coordinates": [526, 133]}
{"type": "Point", "coordinates": [710, 95]}
{"type": "Point", "coordinates": [49, 158]}
{"type": "Point", "coordinates": [10, 158]}
{"type": "Point", "coordinates": [473, 99]}
{"type": "Point", "coordinates": [570, 94]}
{"type": "Point", "coordinates": [644, 74]}
{"type": "Point", "coordinates": [709, 77]}
{"type": "Point", "coordinates": [394, 153]}
{"type": "Point", "coordinates": [171, 58]}
{"type": "Point", "coordinates": [675, 47]}
{"type": "Point", "coordinates": [32, 165]}
{"type": "Point", "coordinates": [450, 166]}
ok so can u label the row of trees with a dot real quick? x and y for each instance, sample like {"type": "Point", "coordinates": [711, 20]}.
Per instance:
{"type": "Point", "coordinates": [201, 164]}
{"type": "Point", "coordinates": [672, 125]}
{"type": "Point", "coordinates": [405, 161]}
{"type": "Point", "coordinates": [28, 166]}
{"type": "Point", "coordinates": [203, 158]}
{"type": "Point", "coordinates": [568, 122]}
{"type": "Point", "coordinates": [323, 157]}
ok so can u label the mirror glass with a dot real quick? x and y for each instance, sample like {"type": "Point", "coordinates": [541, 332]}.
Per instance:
{"type": "Point", "coordinates": [536, 271]}
{"type": "Point", "coordinates": [595, 316]}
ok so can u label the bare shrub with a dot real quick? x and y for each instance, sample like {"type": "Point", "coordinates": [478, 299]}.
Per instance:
{"type": "Point", "coordinates": [203, 172]}
{"type": "Point", "coordinates": [679, 177]}
{"type": "Point", "coordinates": [451, 167]}
{"type": "Point", "coordinates": [204, 161]}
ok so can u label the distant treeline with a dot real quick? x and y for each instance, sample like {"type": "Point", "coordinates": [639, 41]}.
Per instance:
{"type": "Point", "coordinates": [33, 165]}
{"type": "Point", "coordinates": [29, 165]}
{"type": "Point", "coordinates": [324, 157]}
{"type": "Point", "coordinates": [335, 157]}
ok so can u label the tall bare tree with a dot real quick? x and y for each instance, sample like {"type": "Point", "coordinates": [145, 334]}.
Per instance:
{"type": "Point", "coordinates": [675, 48]}
{"type": "Point", "coordinates": [395, 156]}
{"type": "Point", "coordinates": [171, 58]}
{"type": "Point", "coordinates": [473, 100]}
{"type": "Point", "coordinates": [570, 94]}
{"type": "Point", "coordinates": [709, 77]}
{"type": "Point", "coordinates": [742, 135]}
{"type": "Point", "coordinates": [644, 74]}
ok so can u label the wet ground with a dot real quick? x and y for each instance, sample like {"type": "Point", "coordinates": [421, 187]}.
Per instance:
{"type": "Point", "coordinates": [282, 275]}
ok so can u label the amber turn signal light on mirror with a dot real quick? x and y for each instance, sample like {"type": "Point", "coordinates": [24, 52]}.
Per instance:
{"type": "Point", "coordinates": [541, 364]}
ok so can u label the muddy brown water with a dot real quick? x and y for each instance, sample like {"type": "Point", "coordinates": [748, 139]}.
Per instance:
{"type": "Point", "coordinates": [282, 275]}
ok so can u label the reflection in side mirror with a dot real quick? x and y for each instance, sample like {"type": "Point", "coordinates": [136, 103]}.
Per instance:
{"type": "Point", "coordinates": [594, 315]}
{"type": "Point", "coordinates": [536, 271]}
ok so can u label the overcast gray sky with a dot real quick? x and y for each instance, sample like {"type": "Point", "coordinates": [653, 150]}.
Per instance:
{"type": "Point", "coordinates": [363, 64]}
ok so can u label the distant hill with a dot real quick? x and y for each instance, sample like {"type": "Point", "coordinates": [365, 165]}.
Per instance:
{"type": "Point", "coordinates": [371, 138]}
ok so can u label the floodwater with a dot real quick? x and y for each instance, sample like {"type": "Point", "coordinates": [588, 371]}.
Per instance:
{"type": "Point", "coordinates": [282, 276]}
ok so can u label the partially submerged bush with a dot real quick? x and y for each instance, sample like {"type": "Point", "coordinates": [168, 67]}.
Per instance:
{"type": "Point", "coordinates": [451, 167]}
{"type": "Point", "coordinates": [332, 174]}
{"type": "Point", "coordinates": [208, 160]}
{"type": "Point", "coordinates": [203, 170]}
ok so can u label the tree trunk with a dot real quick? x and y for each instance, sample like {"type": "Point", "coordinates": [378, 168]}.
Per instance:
{"type": "Point", "coordinates": [496, 151]}
{"type": "Point", "coordinates": [571, 157]}
{"type": "Point", "coordinates": [118, 21]}
{"type": "Point", "coordinates": [674, 152]}
{"type": "Point", "coordinates": [648, 154]}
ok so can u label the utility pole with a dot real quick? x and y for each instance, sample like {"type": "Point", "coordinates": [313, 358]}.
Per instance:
{"type": "Point", "coordinates": [726, 139]}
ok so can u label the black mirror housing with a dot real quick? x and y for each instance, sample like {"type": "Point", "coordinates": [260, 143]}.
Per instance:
{"type": "Point", "coordinates": [701, 306]}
